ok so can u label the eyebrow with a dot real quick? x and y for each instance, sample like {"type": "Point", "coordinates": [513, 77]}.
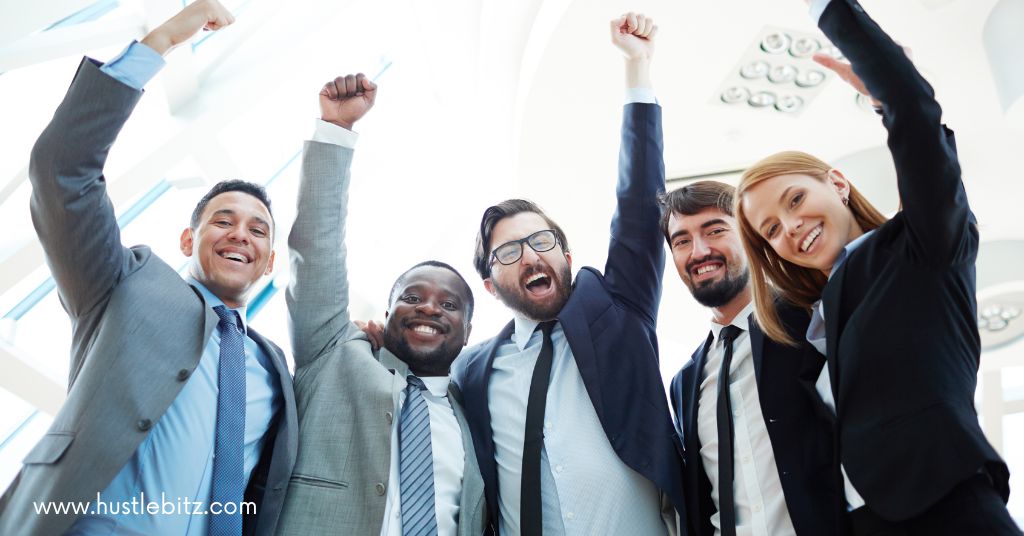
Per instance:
{"type": "Point", "coordinates": [782, 198]}
{"type": "Point", "coordinates": [705, 225]}
{"type": "Point", "coordinates": [229, 212]}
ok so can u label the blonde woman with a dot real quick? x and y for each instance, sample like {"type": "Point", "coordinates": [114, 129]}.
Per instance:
{"type": "Point", "coordinates": [892, 302]}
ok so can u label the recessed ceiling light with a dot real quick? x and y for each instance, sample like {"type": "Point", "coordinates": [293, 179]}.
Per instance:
{"type": "Point", "coordinates": [775, 43]}
{"type": "Point", "coordinates": [735, 94]}
{"type": "Point", "coordinates": [757, 69]}
{"type": "Point", "coordinates": [789, 104]}
{"type": "Point", "coordinates": [809, 78]}
{"type": "Point", "coordinates": [832, 50]}
{"type": "Point", "coordinates": [804, 47]}
{"type": "Point", "coordinates": [782, 74]}
{"type": "Point", "coordinates": [762, 99]}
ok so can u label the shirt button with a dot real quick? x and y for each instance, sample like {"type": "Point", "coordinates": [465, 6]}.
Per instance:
{"type": "Point", "coordinates": [746, 459]}
{"type": "Point", "coordinates": [757, 508]}
{"type": "Point", "coordinates": [737, 413]}
{"type": "Point", "coordinates": [144, 424]}
{"type": "Point", "coordinates": [183, 374]}
{"type": "Point", "coordinates": [547, 425]}
{"type": "Point", "coordinates": [380, 488]}
{"type": "Point", "coordinates": [558, 468]}
{"type": "Point", "coordinates": [388, 416]}
{"type": "Point", "coordinates": [570, 515]}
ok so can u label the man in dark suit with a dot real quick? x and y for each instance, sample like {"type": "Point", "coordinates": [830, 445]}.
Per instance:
{"type": "Point", "coordinates": [566, 405]}
{"type": "Point", "coordinates": [773, 472]}
{"type": "Point", "coordinates": [173, 401]}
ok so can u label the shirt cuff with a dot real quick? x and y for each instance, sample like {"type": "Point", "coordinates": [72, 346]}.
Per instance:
{"type": "Point", "coordinates": [817, 8]}
{"type": "Point", "coordinates": [640, 95]}
{"type": "Point", "coordinates": [326, 132]}
{"type": "Point", "coordinates": [135, 66]}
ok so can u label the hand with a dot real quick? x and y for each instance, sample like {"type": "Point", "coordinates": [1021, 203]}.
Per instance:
{"type": "Point", "coordinates": [346, 99]}
{"type": "Point", "coordinates": [633, 34]}
{"type": "Point", "coordinates": [845, 71]}
{"type": "Point", "coordinates": [199, 15]}
{"type": "Point", "coordinates": [374, 331]}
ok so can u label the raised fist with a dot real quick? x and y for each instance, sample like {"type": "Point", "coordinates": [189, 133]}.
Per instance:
{"type": "Point", "coordinates": [346, 99]}
{"type": "Point", "coordinates": [633, 34]}
{"type": "Point", "coordinates": [199, 15]}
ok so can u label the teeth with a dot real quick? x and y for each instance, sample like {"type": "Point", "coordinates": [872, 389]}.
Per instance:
{"type": "Point", "coordinates": [810, 238]}
{"type": "Point", "coordinates": [709, 268]}
{"type": "Point", "coordinates": [425, 329]}
{"type": "Point", "coordinates": [534, 277]}
{"type": "Point", "coordinates": [234, 256]}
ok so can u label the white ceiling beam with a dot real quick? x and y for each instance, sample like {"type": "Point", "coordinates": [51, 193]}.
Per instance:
{"type": "Point", "coordinates": [25, 18]}
{"type": "Point", "coordinates": [17, 180]}
{"type": "Point", "coordinates": [71, 40]}
{"type": "Point", "coordinates": [27, 381]}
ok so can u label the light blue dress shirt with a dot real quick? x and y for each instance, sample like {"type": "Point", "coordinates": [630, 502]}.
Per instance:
{"type": "Point", "coordinates": [174, 464]}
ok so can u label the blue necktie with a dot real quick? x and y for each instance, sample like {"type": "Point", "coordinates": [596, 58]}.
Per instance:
{"type": "Point", "coordinates": [416, 463]}
{"type": "Point", "coordinates": [228, 463]}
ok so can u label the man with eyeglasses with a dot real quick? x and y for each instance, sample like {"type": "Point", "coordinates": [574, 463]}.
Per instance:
{"type": "Point", "coordinates": [566, 405]}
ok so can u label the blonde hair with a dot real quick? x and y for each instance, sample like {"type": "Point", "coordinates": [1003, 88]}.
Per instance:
{"type": "Point", "coordinates": [771, 275]}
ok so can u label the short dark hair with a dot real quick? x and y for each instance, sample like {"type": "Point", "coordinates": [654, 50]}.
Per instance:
{"type": "Point", "coordinates": [436, 264]}
{"type": "Point", "coordinates": [695, 197]}
{"type": "Point", "coordinates": [496, 213]}
{"type": "Point", "coordinates": [223, 187]}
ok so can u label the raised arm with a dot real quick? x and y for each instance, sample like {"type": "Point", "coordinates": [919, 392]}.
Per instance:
{"type": "Point", "coordinates": [317, 296]}
{"type": "Point", "coordinates": [934, 202]}
{"type": "Point", "coordinates": [636, 258]}
{"type": "Point", "coordinates": [70, 208]}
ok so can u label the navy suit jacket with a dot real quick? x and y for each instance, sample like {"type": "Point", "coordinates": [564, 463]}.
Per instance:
{"type": "Point", "coordinates": [801, 435]}
{"type": "Point", "coordinates": [900, 313]}
{"type": "Point", "coordinates": [609, 322]}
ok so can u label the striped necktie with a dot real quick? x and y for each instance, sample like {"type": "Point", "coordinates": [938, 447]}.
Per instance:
{"type": "Point", "coordinates": [416, 463]}
{"type": "Point", "coordinates": [228, 482]}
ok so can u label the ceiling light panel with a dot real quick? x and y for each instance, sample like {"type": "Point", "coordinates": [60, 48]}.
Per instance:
{"type": "Point", "coordinates": [777, 73]}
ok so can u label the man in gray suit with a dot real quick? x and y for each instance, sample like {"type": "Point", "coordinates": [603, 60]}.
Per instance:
{"type": "Point", "coordinates": [179, 418]}
{"type": "Point", "coordinates": [384, 447]}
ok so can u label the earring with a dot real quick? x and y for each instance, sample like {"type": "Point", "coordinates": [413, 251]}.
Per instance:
{"type": "Point", "coordinates": [846, 201]}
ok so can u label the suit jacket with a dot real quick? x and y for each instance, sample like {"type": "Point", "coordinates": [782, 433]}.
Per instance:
{"type": "Point", "coordinates": [138, 329]}
{"type": "Point", "coordinates": [801, 436]}
{"type": "Point", "coordinates": [346, 395]}
{"type": "Point", "coordinates": [609, 322]}
{"type": "Point", "coordinates": [900, 313]}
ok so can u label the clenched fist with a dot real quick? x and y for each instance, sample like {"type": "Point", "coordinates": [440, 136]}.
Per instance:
{"type": "Point", "coordinates": [199, 15]}
{"type": "Point", "coordinates": [346, 99]}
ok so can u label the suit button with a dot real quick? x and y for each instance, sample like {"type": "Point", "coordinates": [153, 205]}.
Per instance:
{"type": "Point", "coordinates": [380, 488]}
{"type": "Point", "coordinates": [388, 416]}
{"type": "Point", "coordinates": [183, 374]}
{"type": "Point", "coordinates": [144, 424]}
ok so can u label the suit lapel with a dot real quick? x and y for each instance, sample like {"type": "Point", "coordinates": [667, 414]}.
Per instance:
{"type": "Point", "coordinates": [577, 334]}
{"type": "Point", "coordinates": [756, 347]}
{"type": "Point", "coordinates": [472, 482]}
{"type": "Point", "coordinates": [830, 300]}
{"type": "Point", "coordinates": [691, 391]}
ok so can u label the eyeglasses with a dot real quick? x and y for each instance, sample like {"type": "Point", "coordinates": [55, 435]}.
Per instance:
{"type": "Point", "coordinates": [511, 252]}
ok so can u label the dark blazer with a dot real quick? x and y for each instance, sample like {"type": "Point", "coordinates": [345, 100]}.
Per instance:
{"type": "Point", "coordinates": [138, 328]}
{"type": "Point", "coordinates": [900, 313]}
{"type": "Point", "coordinates": [801, 436]}
{"type": "Point", "coordinates": [609, 322]}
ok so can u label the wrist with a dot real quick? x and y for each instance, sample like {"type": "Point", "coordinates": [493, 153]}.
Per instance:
{"type": "Point", "coordinates": [338, 122]}
{"type": "Point", "coordinates": [638, 72]}
{"type": "Point", "coordinates": [157, 41]}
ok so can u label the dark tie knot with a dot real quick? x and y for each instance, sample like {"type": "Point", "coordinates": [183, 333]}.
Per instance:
{"type": "Point", "coordinates": [228, 317]}
{"type": "Point", "coordinates": [729, 334]}
{"type": "Point", "coordinates": [546, 327]}
{"type": "Point", "coordinates": [415, 382]}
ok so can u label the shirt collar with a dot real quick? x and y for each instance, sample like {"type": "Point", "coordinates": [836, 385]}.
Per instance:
{"type": "Point", "coordinates": [524, 330]}
{"type": "Point", "coordinates": [437, 385]}
{"type": "Point", "coordinates": [213, 301]}
{"type": "Point", "coordinates": [740, 320]}
{"type": "Point", "coordinates": [848, 250]}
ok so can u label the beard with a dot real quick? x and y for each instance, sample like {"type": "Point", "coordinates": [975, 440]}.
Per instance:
{"type": "Point", "coordinates": [721, 292]}
{"type": "Point", "coordinates": [517, 299]}
{"type": "Point", "coordinates": [433, 362]}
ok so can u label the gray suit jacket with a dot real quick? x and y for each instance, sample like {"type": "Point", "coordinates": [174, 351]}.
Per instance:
{"type": "Point", "coordinates": [138, 329]}
{"type": "Point", "coordinates": [345, 395]}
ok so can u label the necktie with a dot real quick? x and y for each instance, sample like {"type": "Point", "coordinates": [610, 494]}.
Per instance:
{"type": "Point", "coordinates": [228, 482]}
{"type": "Point", "coordinates": [530, 519]}
{"type": "Point", "coordinates": [416, 463]}
{"type": "Point", "coordinates": [726, 502]}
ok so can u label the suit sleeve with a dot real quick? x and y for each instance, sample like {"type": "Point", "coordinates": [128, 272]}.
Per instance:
{"type": "Point", "coordinates": [71, 211]}
{"type": "Point", "coordinates": [318, 293]}
{"type": "Point", "coordinates": [938, 217]}
{"type": "Point", "coordinates": [636, 257]}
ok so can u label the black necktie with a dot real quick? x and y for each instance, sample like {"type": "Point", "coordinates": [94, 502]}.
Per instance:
{"type": "Point", "coordinates": [726, 501]}
{"type": "Point", "coordinates": [530, 519]}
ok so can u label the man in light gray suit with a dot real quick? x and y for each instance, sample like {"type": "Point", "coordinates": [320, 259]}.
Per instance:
{"type": "Point", "coordinates": [384, 448]}
{"type": "Point", "coordinates": [173, 402]}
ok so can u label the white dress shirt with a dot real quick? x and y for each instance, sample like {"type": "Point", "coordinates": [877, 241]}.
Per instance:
{"type": "Point", "coordinates": [760, 504]}
{"type": "Point", "coordinates": [585, 488]}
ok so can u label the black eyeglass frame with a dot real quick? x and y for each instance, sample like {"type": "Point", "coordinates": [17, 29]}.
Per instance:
{"type": "Point", "coordinates": [520, 242]}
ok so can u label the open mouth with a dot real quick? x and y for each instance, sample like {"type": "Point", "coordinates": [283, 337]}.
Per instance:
{"type": "Point", "coordinates": [811, 239]}
{"type": "Point", "coordinates": [707, 269]}
{"type": "Point", "coordinates": [426, 330]}
{"type": "Point", "coordinates": [538, 284]}
{"type": "Point", "coordinates": [235, 256]}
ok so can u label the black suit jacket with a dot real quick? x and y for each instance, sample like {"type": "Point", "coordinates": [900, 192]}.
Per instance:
{"type": "Point", "coordinates": [801, 435]}
{"type": "Point", "coordinates": [609, 322]}
{"type": "Point", "coordinates": [900, 313]}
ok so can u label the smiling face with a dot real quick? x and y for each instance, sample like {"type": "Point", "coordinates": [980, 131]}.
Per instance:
{"type": "Point", "coordinates": [708, 255]}
{"type": "Point", "coordinates": [538, 284]}
{"type": "Point", "coordinates": [803, 218]}
{"type": "Point", "coordinates": [427, 323]}
{"type": "Point", "coordinates": [231, 247]}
